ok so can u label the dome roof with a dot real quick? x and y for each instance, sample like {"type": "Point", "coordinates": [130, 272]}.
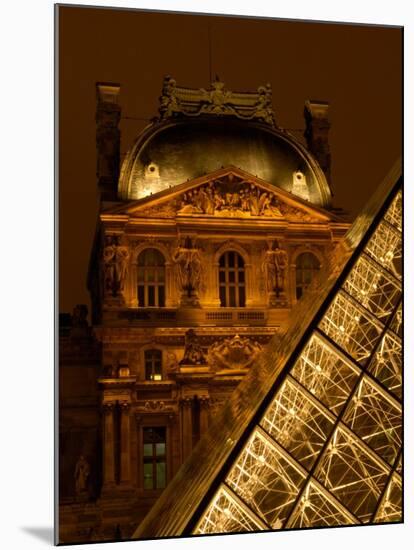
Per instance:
{"type": "Point", "coordinates": [201, 131]}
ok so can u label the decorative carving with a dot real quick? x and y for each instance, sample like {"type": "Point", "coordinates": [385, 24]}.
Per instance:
{"type": "Point", "coordinates": [217, 100]}
{"type": "Point", "coordinates": [81, 475]}
{"type": "Point", "coordinates": [193, 352]}
{"type": "Point", "coordinates": [108, 407]}
{"type": "Point", "coordinates": [115, 260]}
{"type": "Point", "coordinates": [228, 196]}
{"type": "Point", "coordinates": [189, 267]}
{"type": "Point", "coordinates": [154, 405]}
{"type": "Point", "coordinates": [231, 198]}
{"type": "Point", "coordinates": [125, 406]}
{"type": "Point", "coordinates": [171, 362]}
{"type": "Point", "coordinates": [204, 401]}
{"type": "Point", "coordinates": [274, 268]}
{"type": "Point", "coordinates": [233, 353]}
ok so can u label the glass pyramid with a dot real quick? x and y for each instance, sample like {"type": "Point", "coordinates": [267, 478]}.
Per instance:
{"type": "Point", "coordinates": [319, 442]}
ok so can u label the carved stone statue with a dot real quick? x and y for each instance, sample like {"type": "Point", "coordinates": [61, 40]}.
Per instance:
{"type": "Point", "coordinates": [193, 352]}
{"type": "Point", "coordinates": [81, 476]}
{"type": "Point", "coordinates": [116, 261]}
{"type": "Point", "coordinates": [281, 260]}
{"type": "Point", "coordinates": [274, 268]}
{"type": "Point", "coordinates": [189, 267]}
{"type": "Point", "coordinates": [169, 103]}
{"type": "Point", "coordinates": [269, 270]}
{"type": "Point", "coordinates": [233, 353]}
{"type": "Point", "coordinates": [109, 264]}
{"type": "Point", "coordinates": [121, 265]}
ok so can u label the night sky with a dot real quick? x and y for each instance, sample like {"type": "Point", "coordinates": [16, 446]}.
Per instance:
{"type": "Point", "coordinates": [355, 68]}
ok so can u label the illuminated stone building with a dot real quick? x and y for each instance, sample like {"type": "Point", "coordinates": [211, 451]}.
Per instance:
{"type": "Point", "coordinates": [318, 441]}
{"type": "Point", "coordinates": [208, 234]}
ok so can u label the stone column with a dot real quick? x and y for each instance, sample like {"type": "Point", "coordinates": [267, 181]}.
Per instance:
{"type": "Point", "coordinates": [186, 427]}
{"type": "Point", "coordinates": [108, 444]}
{"type": "Point", "coordinates": [125, 457]}
{"type": "Point", "coordinates": [204, 414]}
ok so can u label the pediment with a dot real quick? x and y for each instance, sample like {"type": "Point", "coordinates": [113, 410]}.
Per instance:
{"type": "Point", "coordinates": [225, 193]}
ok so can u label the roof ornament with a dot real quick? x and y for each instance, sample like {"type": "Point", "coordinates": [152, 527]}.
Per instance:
{"type": "Point", "coordinates": [217, 100]}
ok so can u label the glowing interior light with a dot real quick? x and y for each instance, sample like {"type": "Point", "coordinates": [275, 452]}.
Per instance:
{"type": "Point", "coordinates": [292, 411]}
{"type": "Point", "coordinates": [318, 368]}
{"type": "Point", "coordinates": [227, 512]}
{"type": "Point", "coordinates": [342, 328]}
{"type": "Point", "coordinates": [357, 318]}
{"type": "Point", "coordinates": [262, 459]}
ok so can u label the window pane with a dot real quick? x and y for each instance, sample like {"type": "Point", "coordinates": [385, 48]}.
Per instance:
{"type": "Point", "coordinates": [222, 276]}
{"type": "Point", "coordinates": [232, 296]}
{"type": "Point", "coordinates": [161, 296]}
{"type": "Point", "coordinates": [147, 449]}
{"type": "Point", "coordinates": [232, 276]}
{"type": "Point", "coordinates": [148, 372]}
{"type": "Point", "coordinates": [148, 476]}
{"type": "Point", "coordinates": [241, 276]}
{"type": "Point", "coordinates": [151, 296]}
{"type": "Point", "coordinates": [230, 259]}
{"type": "Point", "coordinates": [160, 449]}
{"type": "Point", "coordinates": [141, 294]}
{"type": "Point", "coordinates": [223, 296]}
{"type": "Point", "coordinates": [161, 475]}
{"type": "Point", "coordinates": [242, 296]}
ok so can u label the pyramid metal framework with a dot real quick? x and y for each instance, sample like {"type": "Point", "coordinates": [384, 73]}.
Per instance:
{"type": "Point", "coordinates": [324, 448]}
{"type": "Point", "coordinates": [327, 450]}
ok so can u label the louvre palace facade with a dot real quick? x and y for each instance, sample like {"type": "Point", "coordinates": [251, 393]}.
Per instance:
{"type": "Point", "coordinates": [210, 231]}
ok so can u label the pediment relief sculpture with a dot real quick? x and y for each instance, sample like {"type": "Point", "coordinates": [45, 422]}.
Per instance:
{"type": "Point", "coordinates": [236, 353]}
{"type": "Point", "coordinates": [227, 197]}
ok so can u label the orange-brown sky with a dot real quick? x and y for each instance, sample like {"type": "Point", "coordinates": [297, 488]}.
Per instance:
{"type": "Point", "coordinates": [358, 69]}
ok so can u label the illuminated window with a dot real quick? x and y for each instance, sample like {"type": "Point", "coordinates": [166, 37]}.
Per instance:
{"type": "Point", "coordinates": [232, 280]}
{"type": "Point", "coordinates": [155, 461]}
{"type": "Point", "coordinates": [153, 364]}
{"type": "Point", "coordinates": [151, 278]}
{"type": "Point", "coordinates": [307, 266]}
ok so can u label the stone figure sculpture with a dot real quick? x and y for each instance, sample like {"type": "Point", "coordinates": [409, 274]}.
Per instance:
{"type": "Point", "coordinates": [193, 352]}
{"type": "Point", "coordinates": [121, 265]}
{"type": "Point", "coordinates": [189, 266]}
{"type": "Point", "coordinates": [233, 353]}
{"type": "Point", "coordinates": [228, 199]}
{"type": "Point", "coordinates": [115, 262]}
{"type": "Point", "coordinates": [274, 268]}
{"type": "Point", "coordinates": [81, 476]}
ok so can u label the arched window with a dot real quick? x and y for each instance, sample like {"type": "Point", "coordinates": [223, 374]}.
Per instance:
{"type": "Point", "coordinates": [232, 280]}
{"type": "Point", "coordinates": [151, 278]}
{"type": "Point", "coordinates": [307, 266]}
{"type": "Point", "coordinates": [153, 364]}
